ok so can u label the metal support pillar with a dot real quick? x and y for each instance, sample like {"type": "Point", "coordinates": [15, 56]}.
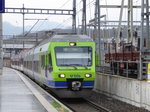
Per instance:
{"type": "Point", "coordinates": [119, 25]}
{"type": "Point", "coordinates": [23, 14]}
{"type": "Point", "coordinates": [147, 25]}
{"type": "Point", "coordinates": [74, 17]}
{"type": "Point", "coordinates": [143, 39]}
{"type": "Point", "coordinates": [97, 32]}
{"type": "Point", "coordinates": [130, 21]}
{"type": "Point", "coordinates": [23, 24]}
{"type": "Point", "coordinates": [84, 30]}
{"type": "Point", "coordinates": [1, 46]}
{"type": "Point", "coordinates": [99, 28]}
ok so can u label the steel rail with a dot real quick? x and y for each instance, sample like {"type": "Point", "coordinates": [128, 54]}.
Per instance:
{"type": "Point", "coordinates": [98, 106]}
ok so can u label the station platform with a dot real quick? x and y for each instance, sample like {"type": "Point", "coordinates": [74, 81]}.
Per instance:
{"type": "Point", "coordinates": [19, 94]}
{"type": "Point", "coordinates": [132, 91]}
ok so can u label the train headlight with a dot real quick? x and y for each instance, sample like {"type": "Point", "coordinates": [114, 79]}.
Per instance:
{"type": "Point", "coordinates": [72, 44]}
{"type": "Point", "coordinates": [88, 75]}
{"type": "Point", "coordinates": [62, 75]}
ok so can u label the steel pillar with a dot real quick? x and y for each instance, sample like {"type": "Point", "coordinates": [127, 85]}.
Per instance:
{"type": "Point", "coordinates": [144, 36]}
{"type": "Point", "coordinates": [130, 21]}
{"type": "Point", "coordinates": [84, 30]}
{"type": "Point", "coordinates": [74, 17]}
{"type": "Point", "coordinates": [119, 25]}
{"type": "Point", "coordinates": [97, 21]}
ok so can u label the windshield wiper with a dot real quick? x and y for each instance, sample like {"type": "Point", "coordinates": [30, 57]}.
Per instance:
{"type": "Point", "coordinates": [68, 65]}
{"type": "Point", "coordinates": [75, 65]}
{"type": "Point", "coordinates": [64, 65]}
{"type": "Point", "coordinates": [80, 65]}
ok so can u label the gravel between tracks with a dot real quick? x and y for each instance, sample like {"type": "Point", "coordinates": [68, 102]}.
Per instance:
{"type": "Point", "coordinates": [113, 104]}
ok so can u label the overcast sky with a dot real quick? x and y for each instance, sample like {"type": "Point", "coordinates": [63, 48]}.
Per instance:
{"type": "Point", "coordinates": [16, 19]}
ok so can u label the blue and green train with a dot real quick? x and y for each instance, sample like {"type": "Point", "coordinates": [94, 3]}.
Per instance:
{"type": "Point", "coordinates": [63, 63]}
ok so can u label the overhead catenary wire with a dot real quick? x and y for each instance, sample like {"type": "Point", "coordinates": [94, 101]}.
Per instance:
{"type": "Point", "coordinates": [78, 11]}
{"type": "Point", "coordinates": [65, 3]}
{"type": "Point", "coordinates": [67, 20]}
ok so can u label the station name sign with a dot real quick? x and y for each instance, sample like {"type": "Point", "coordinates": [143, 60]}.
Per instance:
{"type": "Point", "coordinates": [2, 6]}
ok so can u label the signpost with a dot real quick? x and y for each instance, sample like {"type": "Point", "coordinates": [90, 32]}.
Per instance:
{"type": "Point", "coordinates": [148, 72]}
{"type": "Point", "coordinates": [2, 10]}
{"type": "Point", "coordinates": [2, 6]}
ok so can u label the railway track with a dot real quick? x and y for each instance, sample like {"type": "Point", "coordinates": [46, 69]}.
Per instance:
{"type": "Point", "coordinates": [101, 108]}
{"type": "Point", "coordinates": [84, 105]}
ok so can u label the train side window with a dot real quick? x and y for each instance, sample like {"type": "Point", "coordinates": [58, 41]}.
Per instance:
{"type": "Point", "coordinates": [42, 61]}
{"type": "Point", "coordinates": [50, 59]}
{"type": "Point", "coordinates": [46, 60]}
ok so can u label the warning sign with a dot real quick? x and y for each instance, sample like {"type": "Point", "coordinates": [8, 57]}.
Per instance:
{"type": "Point", "coordinates": [148, 68]}
{"type": "Point", "coordinates": [148, 72]}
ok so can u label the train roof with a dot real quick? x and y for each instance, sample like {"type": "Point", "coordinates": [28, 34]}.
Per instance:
{"type": "Point", "coordinates": [67, 38]}
{"type": "Point", "coordinates": [71, 38]}
{"type": "Point", "coordinates": [61, 38]}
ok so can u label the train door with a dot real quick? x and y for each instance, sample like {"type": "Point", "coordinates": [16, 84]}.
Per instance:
{"type": "Point", "coordinates": [50, 63]}
{"type": "Point", "coordinates": [42, 67]}
{"type": "Point", "coordinates": [50, 67]}
{"type": "Point", "coordinates": [46, 65]}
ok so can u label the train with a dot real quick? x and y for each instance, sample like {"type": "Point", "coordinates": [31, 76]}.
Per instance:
{"type": "Point", "coordinates": [63, 63]}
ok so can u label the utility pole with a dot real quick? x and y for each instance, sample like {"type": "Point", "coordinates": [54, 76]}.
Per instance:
{"type": "Point", "coordinates": [1, 46]}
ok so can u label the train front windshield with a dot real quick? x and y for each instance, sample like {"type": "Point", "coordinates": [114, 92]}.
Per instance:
{"type": "Point", "coordinates": [73, 56]}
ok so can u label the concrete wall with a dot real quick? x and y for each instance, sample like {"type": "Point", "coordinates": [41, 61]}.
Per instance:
{"type": "Point", "coordinates": [128, 90]}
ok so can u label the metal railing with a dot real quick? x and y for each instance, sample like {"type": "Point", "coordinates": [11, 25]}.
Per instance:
{"type": "Point", "coordinates": [128, 69]}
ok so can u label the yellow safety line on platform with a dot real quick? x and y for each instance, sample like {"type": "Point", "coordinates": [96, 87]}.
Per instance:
{"type": "Point", "coordinates": [42, 100]}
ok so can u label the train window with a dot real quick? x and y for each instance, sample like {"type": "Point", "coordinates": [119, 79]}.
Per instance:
{"type": "Point", "coordinates": [43, 61]}
{"type": "Point", "coordinates": [30, 65]}
{"type": "Point", "coordinates": [46, 60]}
{"type": "Point", "coordinates": [73, 56]}
{"type": "Point", "coordinates": [36, 66]}
{"type": "Point", "coordinates": [50, 60]}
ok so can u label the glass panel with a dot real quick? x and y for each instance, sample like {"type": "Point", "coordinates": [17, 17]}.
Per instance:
{"type": "Point", "coordinates": [73, 56]}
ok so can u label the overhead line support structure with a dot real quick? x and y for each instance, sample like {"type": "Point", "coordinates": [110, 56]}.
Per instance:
{"type": "Point", "coordinates": [24, 11]}
{"type": "Point", "coordinates": [119, 6]}
{"type": "Point", "coordinates": [45, 11]}
{"type": "Point", "coordinates": [39, 11]}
